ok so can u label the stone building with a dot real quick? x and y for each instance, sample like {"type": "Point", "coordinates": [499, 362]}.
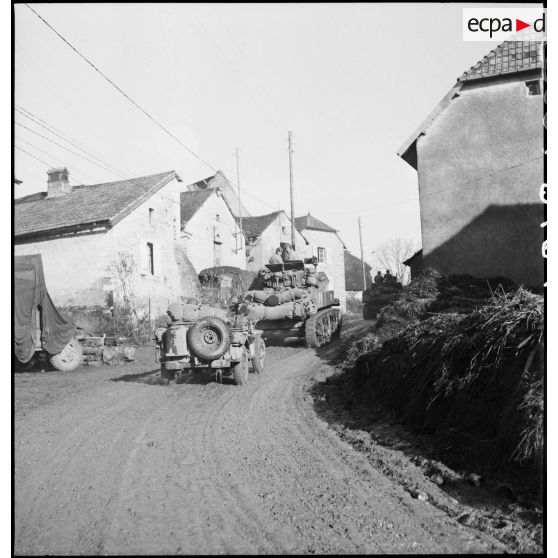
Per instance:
{"type": "Point", "coordinates": [95, 238]}
{"type": "Point", "coordinates": [328, 247]}
{"type": "Point", "coordinates": [265, 233]}
{"type": "Point", "coordinates": [209, 233]}
{"type": "Point", "coordinates": [479, 160]}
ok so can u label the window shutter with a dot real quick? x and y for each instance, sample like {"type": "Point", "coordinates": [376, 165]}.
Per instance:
{"type": "Point", "coordinates": [143, 257]}
{"type": "Point", "coordinates": [157, 271]}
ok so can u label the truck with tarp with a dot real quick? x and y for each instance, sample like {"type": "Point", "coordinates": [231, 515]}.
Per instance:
{"type": "Point", "coordinates": [38, 326]}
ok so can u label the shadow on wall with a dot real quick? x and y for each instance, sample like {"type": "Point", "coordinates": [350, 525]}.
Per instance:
{"type": "Point", "coordinates": [504, 240]}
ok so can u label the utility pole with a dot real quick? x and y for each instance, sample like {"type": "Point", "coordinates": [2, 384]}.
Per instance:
{"type": "Point", "coordinates": [236, 153]}
{"type": "Point", "coordinates": [362, 254]}
{"type": "Point", "coordinates": [291, 182]}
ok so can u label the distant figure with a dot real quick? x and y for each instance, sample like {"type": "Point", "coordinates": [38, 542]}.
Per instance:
{"type": "Point", "coordinates": [389, 278]}
{"type": "Point", "coordinates": [276, 258]}
{"type": "Point", "coordinates": [378, 278]}
{"type": "Point", "coordinates": [288, 254]}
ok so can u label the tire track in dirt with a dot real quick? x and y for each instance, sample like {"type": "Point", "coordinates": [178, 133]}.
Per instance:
{"type": "Point", "coordinates": [205, 468]}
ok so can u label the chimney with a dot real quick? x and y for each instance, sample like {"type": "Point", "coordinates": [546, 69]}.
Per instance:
{"type": "Point", "coordinates": [58, 183]}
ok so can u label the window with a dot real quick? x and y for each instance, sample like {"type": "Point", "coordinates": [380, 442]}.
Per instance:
{"type": "Point", "coordinates": [217, 217]}
{"type": "Point", "coordinates": [150, 261]}
{"type": "Point", "coordinates": [321, 255]}
{"type": "Point", "coordinates": [151, 212]}
{"type": "Point", "coordinates": [283, 230]}
{"type": "Point", "coordinates": [534, 87]}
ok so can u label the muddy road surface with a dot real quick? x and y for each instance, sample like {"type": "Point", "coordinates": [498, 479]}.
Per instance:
{"type": "Point", "coordinates": [108, 461]}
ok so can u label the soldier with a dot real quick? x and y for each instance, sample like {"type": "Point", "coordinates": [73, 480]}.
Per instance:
{"type": "Point", "coordinates": [276, 258]}
{"type": "Point", "coordinates": [288, 254]}
{"type": "Point", "coordinates": [378, 279]}
{"type": "Point", "coordinates": [389, 278]}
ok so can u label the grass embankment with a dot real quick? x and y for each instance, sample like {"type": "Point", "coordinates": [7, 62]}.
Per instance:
{"type": "Point", "coordinates": [462, 355]}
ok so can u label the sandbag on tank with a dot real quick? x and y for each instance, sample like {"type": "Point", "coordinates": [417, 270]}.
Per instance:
{"type": "Point", "coordinates": [274, 299]}
{"type": "Point", "coordinates": [258, 312]}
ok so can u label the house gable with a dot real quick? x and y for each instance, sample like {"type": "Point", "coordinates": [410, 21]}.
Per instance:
{"type": "Point", "coordinates": [511, 60]}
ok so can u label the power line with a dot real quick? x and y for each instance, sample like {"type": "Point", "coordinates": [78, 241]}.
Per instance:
{"type": "Point", "coordinates": [33, 156]}
{"type": "Point", "coordinates": [53, 130]}
{"type": "Point", "coordinates": [59, 95]}
{"type": "Point", "coordinates": [442, 189]}
{"type": "Point", "coordinates": [75, 178]}
{"type": "Point", "coordinates": [234, 67]}
{"type": "Point", "coordinates": [106, 78]}
{"type": "Point", "coordinates": [68, 149]}
{"type": "Point", "coordinates": [120, 90]}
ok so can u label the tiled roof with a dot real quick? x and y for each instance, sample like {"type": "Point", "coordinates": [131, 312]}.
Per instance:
{"type": "Point", "coordinates": [508, 57]}
{"type": "Point", "coordinates": [309, 222]}
{"type": "Point", "coordinates": [204, 183]}
{"type": "Point", "coordinates": [255, 226]}
{"type": "Point", "coordinates": [190, 202]}
{"type": "Point", "coordinates": [105, 204]}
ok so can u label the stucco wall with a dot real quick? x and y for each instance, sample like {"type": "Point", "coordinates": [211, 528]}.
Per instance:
{"type": "Point", "coordinates": [198, 236]}
{"type": "Point", "coordinates": [334, 267]}
{"type": "Point", "coordinates": [77, 268]}
{"type": "Point", "coordinates": [73, 268]}
{"type": "Point", "coordinates": [265, 246]}
{"type": "Point", "coordinates": [480, 168]}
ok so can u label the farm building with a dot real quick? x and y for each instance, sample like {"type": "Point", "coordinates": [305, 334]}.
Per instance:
{"type": "Point", "coordinates": [209, 233]}
{"type": "Point", "coordinates": [98, 240]}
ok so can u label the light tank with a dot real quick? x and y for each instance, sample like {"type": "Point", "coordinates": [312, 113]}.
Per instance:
{"type": "Point", "coordinates": [377, 296]}
{"type": "Point", "coordinates": [293, 303]}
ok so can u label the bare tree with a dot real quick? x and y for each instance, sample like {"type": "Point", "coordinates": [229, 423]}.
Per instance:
{"type": "Point", "coordinates": [129, 312]}
{"type": "Point", "coordinates": [391, 255]}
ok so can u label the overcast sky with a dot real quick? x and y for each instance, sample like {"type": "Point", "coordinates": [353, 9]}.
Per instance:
{"type": "Point", "coordinates": [352, 81]}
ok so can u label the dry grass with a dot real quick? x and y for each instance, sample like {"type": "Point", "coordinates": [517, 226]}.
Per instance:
{"type": "Point", "coordinates": [480, 372]}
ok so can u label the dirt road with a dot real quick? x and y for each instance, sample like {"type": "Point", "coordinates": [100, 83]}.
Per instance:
{"type": "Point", "coordinates": [107, 461]}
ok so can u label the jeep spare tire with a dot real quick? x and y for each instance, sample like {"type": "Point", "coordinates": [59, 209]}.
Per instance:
{"type": "Point", "coordinates": [209, 338]}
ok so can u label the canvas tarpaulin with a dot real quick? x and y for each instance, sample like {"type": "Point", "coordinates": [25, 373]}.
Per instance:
{"type": "Point", "coordinates": [32, 303]}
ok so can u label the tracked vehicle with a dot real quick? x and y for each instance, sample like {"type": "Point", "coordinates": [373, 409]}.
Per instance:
{"type": "Point", "coordinates": [294, 303]}
{"type": "Point", "coordinates": [377, 296]}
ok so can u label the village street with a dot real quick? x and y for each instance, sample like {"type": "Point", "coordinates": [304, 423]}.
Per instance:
{"type": "Point", "coordinates": [109, 461]}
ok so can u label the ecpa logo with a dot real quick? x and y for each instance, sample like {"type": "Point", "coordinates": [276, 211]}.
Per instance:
{"type": "Point", "coordinates": [504, 24]}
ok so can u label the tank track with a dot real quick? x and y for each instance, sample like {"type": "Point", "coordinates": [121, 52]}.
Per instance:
{"type": "Point", "coordinates": [322, 327]}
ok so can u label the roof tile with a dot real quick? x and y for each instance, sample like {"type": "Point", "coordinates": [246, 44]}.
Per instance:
{"type": "Point", "coordinates": [507, 58]}
{"type": "Point", "coordinates": [37, 213]}
{"type": "Point", "coordinates": [191, 201]}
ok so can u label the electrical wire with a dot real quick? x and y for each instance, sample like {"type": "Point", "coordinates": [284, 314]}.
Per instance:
{"type": "Point", "coordinates": [106, 78]}
{"type": "Point", "coordinates": [67, 148]}
{"type": "Point", "coordinates": [33, 156]}
{"type": "Point", "coordinates": [113, 84]}
{"type": "Point", "coordinates": [57, 133]}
